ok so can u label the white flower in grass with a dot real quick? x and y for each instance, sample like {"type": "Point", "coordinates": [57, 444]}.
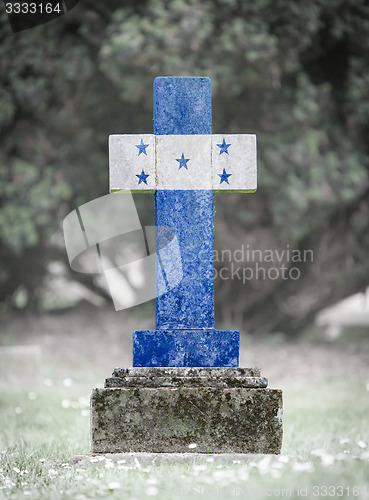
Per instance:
{"type": "Point", "coordinates": [123, 461]}
{"type": "Point", "coordinates": [109, 465]}
{"type": "Point", "coordinates": [341, 456]}
{"type": "Point", "coordinates": [152, 480]}
{"type": "Point", "coordinates": [124, 467]}
{"type": "Point", "coordinates": [42, 460]}
{"type": "Point", "coordinates": [114, 485]}
{"type": "Point", "coordinates": [243, 474]}
{"type": "Point", "coordinates": [303, 467]}
{"type": "Point", "coordinates": [26, 492]}
{"type": "Point", "coordinates": [15, 469]}
{"type": "Point", "coordinates": [32, 396]}
{"type": "Point", "coordinates": [192, 446]}
{"type": "Point", "coordinates": [94, 459]}
{"type": "Point", "coordinates": [85, 413]}
{"type": "Point", "coordinates": [361, 444]}
{"type": "Point", "coordinates": [18, 410]}
{"type": "Point", "coordinates": [327, 460]}
{"type": "Point", "coordinates": [210, 459]}
{"type": "Point", "coordinates": [264, 464]}
{"type": "Point", "coordinates": [67, 382]}
{"type": "Point", "coordinates": [65, 403]}
{"type": "Point", "coordinates": [52, 472]}
{"type": "Point", "coordinates": [152, 491]}
{"type": "Point", "coordinates": [199, 467]}
{"type": "Point", "coordinates": [275, 473]}
{"type": "Point", "coordinates": [318, 453]}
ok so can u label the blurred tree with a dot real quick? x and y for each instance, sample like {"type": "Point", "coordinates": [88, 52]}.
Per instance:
{"type": "Point", "coordinates": [296, 74]}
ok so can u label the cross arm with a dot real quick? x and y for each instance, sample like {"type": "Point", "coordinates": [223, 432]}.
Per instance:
{"type": "Point", "coordinates": [176, 162]}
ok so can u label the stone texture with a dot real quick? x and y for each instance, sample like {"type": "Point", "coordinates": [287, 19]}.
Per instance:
{"type": "Point", "coordinates": [183, 162]}
{"type": "Point", "coordinates": [185, 347]}
{"type": "Point", "coordinates": [168, 420]}
{"type": "Point", "coordinates": [190, 214]}
{"type": "Point", "coordinates": [198, 371]}
{"type": "Point", "coordinates": [126, 161]}
{"type": "Point", "coordinates": [190, 377]}
{"type": "Point", "coordinates": [182, 105]}
{"type": "Point", "coordinates": [250, 382]}
{"type": "Point", "coordinates": [238, 159]}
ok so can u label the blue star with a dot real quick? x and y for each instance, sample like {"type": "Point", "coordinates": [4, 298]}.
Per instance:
{"type": "Point", "coordinates": [224, 176]}
{"type": "Point", "coordinates": [142, 177]}
{"type": "Point", "coordinates": [142, 148]}
{"type": "Point", "coordinates": [183, 162]}
{"type": "Point", "coordinates": [223, 147]}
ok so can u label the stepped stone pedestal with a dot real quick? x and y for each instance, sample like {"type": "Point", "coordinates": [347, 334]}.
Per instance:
{"type": "Point", "coordinates": [165, 410]}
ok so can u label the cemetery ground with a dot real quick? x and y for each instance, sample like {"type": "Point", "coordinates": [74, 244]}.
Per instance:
{"type": "Point", "coordinates": [43, 426]}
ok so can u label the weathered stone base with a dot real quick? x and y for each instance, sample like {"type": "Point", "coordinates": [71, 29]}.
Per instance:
{"type": "Point", "coordinates": [222, 414]}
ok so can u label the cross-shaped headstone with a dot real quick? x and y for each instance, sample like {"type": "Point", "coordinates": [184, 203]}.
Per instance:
{"type": "Point", "coordinates": [184, 163]}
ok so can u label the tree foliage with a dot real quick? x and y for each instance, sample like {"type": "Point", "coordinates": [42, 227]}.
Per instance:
{"type": "Point", "coordinates": [294, 73]}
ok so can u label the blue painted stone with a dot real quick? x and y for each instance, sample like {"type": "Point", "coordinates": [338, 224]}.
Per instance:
{"type": "Point", "coordinates": [185, 334]}
{"type": "Point", "coordinates": [191, 303]}
{"type": "Point", "coordinates": [182, 105]}
{"type": "Point", "coordinates": [185, 348]}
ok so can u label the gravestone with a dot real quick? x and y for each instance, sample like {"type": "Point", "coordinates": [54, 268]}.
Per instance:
{"type": "Point", "coordinates": [185, 387]}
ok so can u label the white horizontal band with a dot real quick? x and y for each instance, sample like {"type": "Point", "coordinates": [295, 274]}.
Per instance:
{"type": "Point", "coordinates": [216, 162]}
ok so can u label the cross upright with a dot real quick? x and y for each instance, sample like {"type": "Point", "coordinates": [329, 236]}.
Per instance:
{"type": "Point", "coordinates": [183, 163]}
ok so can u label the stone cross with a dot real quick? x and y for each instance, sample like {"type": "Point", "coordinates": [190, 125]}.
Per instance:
{"type": "Point", "coordinates": [183, 163]}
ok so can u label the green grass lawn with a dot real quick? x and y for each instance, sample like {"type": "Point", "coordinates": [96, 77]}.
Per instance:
{"type": "Point", "coordinates": [325, 451]}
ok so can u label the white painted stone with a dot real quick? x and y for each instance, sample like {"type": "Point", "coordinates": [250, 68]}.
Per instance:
{"type": "Point", "coordinates": [237, 158]}
{"type": "Point", "coordinates": [126, 162]}
{"type": "Point", "coordinates": [209, 166]}
{"type": "Point", "coordinates": [192, 174]}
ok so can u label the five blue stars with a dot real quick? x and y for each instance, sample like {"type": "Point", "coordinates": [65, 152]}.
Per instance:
{"type": "Point", "coordinates": [142, 148]}
{"type": "Point", "coordinates": [182, 162]}
{"type": "Point", "coordinates": [224, 176]}
{"type": "Point", "coordinates": [142, 177]}
{"type": "Point", "coordinates": [223, 147]}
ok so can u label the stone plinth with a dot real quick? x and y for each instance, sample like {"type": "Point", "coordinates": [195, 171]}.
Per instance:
{"type": "Point", "coordinates": [164, 410]}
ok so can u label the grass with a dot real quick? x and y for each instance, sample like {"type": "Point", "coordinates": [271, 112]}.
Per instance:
{"type": "Point", "coordinates": [325, 451]}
